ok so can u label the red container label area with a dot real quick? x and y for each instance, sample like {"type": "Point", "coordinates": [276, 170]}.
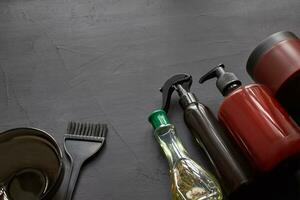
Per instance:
{"type": "Point", "coordinates": [260, 126]}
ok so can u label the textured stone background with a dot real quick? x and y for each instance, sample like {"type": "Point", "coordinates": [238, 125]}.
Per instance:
{"type": "Point", "coordinates": [104, 60]}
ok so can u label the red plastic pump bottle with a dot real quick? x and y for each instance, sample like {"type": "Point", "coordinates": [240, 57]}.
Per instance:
{"type": "Point", "coordinates": [256, 121]}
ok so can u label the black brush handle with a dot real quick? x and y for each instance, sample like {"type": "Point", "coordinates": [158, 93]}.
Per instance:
{"type": "Point", "coordinates": [82, 141]}
{"type": "Point", "coordinates": [75, 170]}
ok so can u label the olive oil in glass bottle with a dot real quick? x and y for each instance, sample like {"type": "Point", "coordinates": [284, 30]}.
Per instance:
{"type": "Point", "coordinates": [189, 180]}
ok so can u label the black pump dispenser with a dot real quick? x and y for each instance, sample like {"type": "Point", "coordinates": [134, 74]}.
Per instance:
{"type": "Point", "coordinates": [232, 169]}
{"type": "Point", "coordinates": [226, 81]}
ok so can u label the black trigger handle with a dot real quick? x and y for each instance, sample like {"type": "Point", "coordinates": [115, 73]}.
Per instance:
{"type": "Point", "coordinates": [185, 80]}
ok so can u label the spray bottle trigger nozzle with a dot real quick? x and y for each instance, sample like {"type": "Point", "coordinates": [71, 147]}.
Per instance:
{"type": "Point", "coordinates": [185, 80]}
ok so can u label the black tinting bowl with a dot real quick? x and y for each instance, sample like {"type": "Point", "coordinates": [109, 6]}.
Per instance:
{"type": "Point", "coordinates": [29, 148]}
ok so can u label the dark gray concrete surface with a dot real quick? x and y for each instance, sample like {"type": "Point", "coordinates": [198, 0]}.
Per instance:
{"type": "Point", "coordinates": [104, 60]}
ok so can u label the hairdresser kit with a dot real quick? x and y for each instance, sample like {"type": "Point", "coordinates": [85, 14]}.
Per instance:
{"type": "Point", "coordinates": [256, 130]}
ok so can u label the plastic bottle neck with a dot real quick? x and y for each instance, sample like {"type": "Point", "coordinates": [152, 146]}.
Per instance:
{"type": "Point", "coordinates": [170, 144]}
{"type": "Point", "coordinates": [230, 89]}
{"type": "Point", "coordinates": [186, 98]}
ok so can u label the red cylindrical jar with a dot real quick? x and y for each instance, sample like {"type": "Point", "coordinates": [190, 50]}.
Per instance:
{"type": "Point", "coordinates": [260, 126]}
{"type": "Point", "coordinates": [276, 64]}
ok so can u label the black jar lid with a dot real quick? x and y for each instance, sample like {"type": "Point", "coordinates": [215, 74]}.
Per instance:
{"type": "Point", "coordinates": [266, 45]}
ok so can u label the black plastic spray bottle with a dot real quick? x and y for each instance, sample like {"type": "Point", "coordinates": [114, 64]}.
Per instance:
{"type": "Point", "coordinates": [232, 168]}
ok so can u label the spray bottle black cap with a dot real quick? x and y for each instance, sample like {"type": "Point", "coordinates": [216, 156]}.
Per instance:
{"type": "Point", "coordinates": [179, 82]}
{"type": "Point", "coordinates": [226, 81]}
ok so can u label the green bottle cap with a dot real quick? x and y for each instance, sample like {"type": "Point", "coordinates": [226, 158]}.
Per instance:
{"type": "Point", "coordinates": [158, 118]}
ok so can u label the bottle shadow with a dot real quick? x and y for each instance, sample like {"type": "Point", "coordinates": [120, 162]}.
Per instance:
{"type": "Point", "coordinates": [281, 183]}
